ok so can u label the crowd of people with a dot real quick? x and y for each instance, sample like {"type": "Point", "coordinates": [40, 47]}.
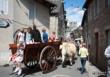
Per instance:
{"type": "Point", "coordinates": [30, 36]}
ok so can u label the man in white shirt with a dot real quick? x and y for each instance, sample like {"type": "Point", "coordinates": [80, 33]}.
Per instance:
{"type": "Point", "coordinates": [107, 55]}
{"type": "Point", "coordinates": [20, 37]}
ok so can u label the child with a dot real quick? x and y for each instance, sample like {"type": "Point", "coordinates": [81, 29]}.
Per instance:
{"type": "Point", "coordinates": [53, 37]}
{"type": "Point", "coordinates": [17, 59]}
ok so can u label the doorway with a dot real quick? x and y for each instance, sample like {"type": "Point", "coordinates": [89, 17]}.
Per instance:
{"type": "Point", "coordinates": [108, 37]}
{"type": "Point", "coordinates": [96, 46]}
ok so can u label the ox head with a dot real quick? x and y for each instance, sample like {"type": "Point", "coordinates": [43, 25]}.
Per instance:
{"type": "Point", "coordinates": [62, 45]}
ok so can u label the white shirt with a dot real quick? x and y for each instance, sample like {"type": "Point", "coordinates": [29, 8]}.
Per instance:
{"type": "Point", "coordinates": [21, 37]}
{"type": "Point", "coordinates": [107, 52]}
{"type": "Point", "coordinates": [28, 38]}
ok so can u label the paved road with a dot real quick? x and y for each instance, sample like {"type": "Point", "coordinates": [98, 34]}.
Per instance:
{"type": "Point", "coordinates": [69, 71]}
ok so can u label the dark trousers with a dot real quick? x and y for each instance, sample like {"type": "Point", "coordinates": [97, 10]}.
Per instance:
{"type": "Point", "coordinates": [108, 68]}
{"type": "Point", "coordinates": [83, 62]}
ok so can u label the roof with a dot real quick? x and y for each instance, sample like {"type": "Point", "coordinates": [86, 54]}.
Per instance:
{"type": "Point", "coordinates": [48, 3]}
{"type": "Point", "coordinates": [54, 5]}
{"type": "Point", "coordinates": [84, 17]}
{"type": "Point", "coordinates": [87, 3]}
{"type": "Point", "coordinates": [59, 4]}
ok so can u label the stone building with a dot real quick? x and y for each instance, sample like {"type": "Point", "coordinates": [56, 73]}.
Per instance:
{"type": "Point", "coordinates": [57, 18]}
{"type": "Point", "coordinates": [16, 14]}
{"type": "Point", "coordinates": [96, 28]}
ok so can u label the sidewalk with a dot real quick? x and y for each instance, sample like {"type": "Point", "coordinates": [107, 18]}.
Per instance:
{"type": "Point", "coordinates": [4, 57]}
{"type": "Point", "coordinates": [93, 71]}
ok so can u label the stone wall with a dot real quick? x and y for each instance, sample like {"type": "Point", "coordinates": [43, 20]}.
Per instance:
{"type": "Point", "coordinates": [97, 28]}
{"type": "Point", "coordinates": [22, 14]}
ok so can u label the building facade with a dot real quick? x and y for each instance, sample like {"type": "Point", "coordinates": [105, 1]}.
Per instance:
{"type": "Point", "coordinates": [17, 14]}
{"type": "Point", "coordinates": [58, 19]}
{"type": "Point", "coordinates": [96, 28]}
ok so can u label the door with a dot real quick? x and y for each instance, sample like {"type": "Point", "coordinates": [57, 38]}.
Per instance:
{"type": "Point", "coordinates": [96, 46]}
{"type": "Point", "coordinates": [108, 37]}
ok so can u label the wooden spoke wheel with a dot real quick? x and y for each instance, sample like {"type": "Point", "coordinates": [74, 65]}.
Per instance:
{"type": "Point", "coordinates": [31, 63]}
{"type": "Point", "coordinates": [48, 59]}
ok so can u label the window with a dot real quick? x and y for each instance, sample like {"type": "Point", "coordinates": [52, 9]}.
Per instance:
{"type": "Point", "coordinates": [108, 37]}
{"type": "Point", "coordinates": [90, 13]}
{"type": "Point", "coordinates": [4, 7]}
{"type": "Point", "coordinates": [96, 7]}
{"type": "Point", "coordinates": [108, 3]}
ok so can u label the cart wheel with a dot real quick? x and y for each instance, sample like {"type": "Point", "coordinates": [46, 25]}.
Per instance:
{"type": "Point", "coordinates": [31, 63]}
{"type": "Point", "coordinates": [48, 59]}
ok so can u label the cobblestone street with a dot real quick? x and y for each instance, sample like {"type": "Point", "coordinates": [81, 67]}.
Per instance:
{"type": "Point", "coordinates": [69, 71]}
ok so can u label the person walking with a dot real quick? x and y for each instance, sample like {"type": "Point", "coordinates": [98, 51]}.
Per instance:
{"type": "Point", "coordinates": [70, 39]}
{"type": "Point", "coordinates": [107, 55]}
{"type": "Point", "coordinates": [36, 36]}
{"type": "Point", "coordinates": [83, 53]}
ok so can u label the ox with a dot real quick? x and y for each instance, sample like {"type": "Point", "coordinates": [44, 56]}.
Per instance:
{"type": "Point", "coordinates": [68, 49]}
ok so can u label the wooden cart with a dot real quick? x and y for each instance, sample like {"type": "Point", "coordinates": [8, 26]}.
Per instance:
{"type": "Point", "coordinates": [44, 54]}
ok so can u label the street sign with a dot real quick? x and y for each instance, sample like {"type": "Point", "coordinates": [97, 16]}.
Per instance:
{"type": "Point", "coordinates": [3, 23]}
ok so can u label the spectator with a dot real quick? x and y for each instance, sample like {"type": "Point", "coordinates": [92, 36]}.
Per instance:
{"type": "Point", "coordinates": [77, 46]}
{"type": "Point", "coordinates": [83, 52]}
{"type": "Point", "coordinates": [28, 36]}
{"type": "Point", "coordinates": [17, 60]}
{"type": "Point", "coordinates": [44, 36]}
{"type": "Point", "coordinates": [53, 37]}
{"type": "Point", "coordinates": [20, 36]}
{"type": "Point", "coordinates": [70, 38]}
{"type": "Point", "coordinates": [36, 36]}
{"type": "Point", "coordinates": [15, 36]}
{"type": "Point", "coordinates": [107, 55]}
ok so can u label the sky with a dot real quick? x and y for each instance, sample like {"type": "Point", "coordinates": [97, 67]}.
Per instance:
{"type": "Point", "coordinates": [74, 10]}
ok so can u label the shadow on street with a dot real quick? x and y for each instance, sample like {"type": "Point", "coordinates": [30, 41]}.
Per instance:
{"type": "Point", "coordinates": [102, 76]}
{"type": "Point", "coordinates": [27, 71]}
{"type": "Point", "coordinates": [31, 71]}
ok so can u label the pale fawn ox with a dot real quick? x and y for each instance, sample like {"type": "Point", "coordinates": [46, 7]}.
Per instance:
{"type": "Point", "coordinates": [68, 49]}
